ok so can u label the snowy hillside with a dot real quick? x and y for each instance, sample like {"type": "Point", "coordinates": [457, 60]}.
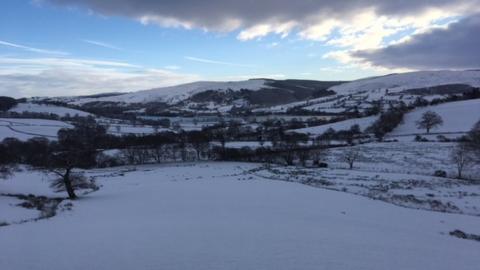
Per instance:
{"type": "Point", "coordinates": [24, 129]}
{"type": "Point", "coordinates": [50, 109]}
{"type": "Point", "coordinates": [458, 117]}
{"type": "Point", "coordinates": [363, 123]}
{"type": "Point", "coordinates": [177, 93]}
{"type": "Point", "coordinates": [394, 88]}
{"type": "Point", "coordinates": [284, 96]}
{"type": "Point", "coordinates": [410, 80]}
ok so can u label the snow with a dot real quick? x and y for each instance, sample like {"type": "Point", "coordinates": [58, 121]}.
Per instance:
{"type": "Point", "coordinates": [27, 182]}
{"type": "Point", "coordinates": [24, 129]}
{"type": "Point", "coordinates": [217, 216]}
{"type": "Point", "coordinates": [361, 93]}
{"type": "Point", "coordinates": [135, 130]}
{"type": "Point", "coordinates": [241, 144]}
{"type": "Point", "coordinates": [50, 109]}
{"type": "Point", "coordinates": [409, 80]}
{"type": "Point", "coordinates": [178, 93]}
{"type": "Point", "coordinates": [420, 158]}
{"type": "Point", "coordinates": [10, 212]}
{"type": "Point", "coordinates": [458, 117]}
{"type": "Point", "coordinates": [363, 122]}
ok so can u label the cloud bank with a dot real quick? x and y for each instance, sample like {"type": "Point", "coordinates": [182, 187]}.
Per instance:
{"type": "Point", "coordinates": [455, 47]}
{"type": "Point", "coordinates": [261, 17]}
{"type": "Point", "coordinates": [360, 32]}
{"type": "Point", "coordinates": [21, 77]}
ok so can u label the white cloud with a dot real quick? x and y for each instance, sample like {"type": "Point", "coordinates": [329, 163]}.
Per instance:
{"type": "Point", "coordinates": [306, 74]}
{"type": "Point", "coordinates": [272, 45]}
{"type": "Point", "coordinates": [102, 44]}
{"type": "Point", "coordinates": [53, 77]}
{"type": "Point", "coordinates": [367, 31]}
{"type": "Point", "coordinates": [261, 30]}
{"type": "Point", "coordinates": [214, 62]}
{"type": "Point", "coordinates": [252, 76]}
{"type": "Point", "coordinates": [452, 47]}
{"type": "Point", "coordinates": [172, 67]}
{"type": "Point", "coordinates": [31, 49]}
{"type": "Point", "coordinates": [319, 31]}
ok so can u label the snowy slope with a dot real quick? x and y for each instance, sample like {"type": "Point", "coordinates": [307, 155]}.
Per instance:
{"type": "Point", "coordinates": [202, 217]}
{"type": "Point", "coordinates": [50, 109]}
{"type": "Point", "coordinates": [177, 93]}
{"type": "Point", "coordinates": [457, 117]}
{"type": "Point", "coordinates": [24, 129]}
{"type": "Point", "coordinates": [360, 94]}
{"type": "Point", "coordinates": [364, 123]}
{"type": "Point", "coordinates": [410, 80]}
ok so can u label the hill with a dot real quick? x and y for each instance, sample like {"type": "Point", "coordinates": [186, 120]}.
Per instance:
{"type": "Point", "coordinates": [362, 94]}
{"type": "Point", "coordinates": [283, 96]}
{"type": "Point", "coordinates": [208, 97]}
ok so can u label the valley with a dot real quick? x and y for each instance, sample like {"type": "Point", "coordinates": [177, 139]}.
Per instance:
{"type": "Point", "coordinates": [330, 170]}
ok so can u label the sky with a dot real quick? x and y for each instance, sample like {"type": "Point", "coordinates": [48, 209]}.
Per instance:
{"type": "Point", "coordinates": [79, 47]}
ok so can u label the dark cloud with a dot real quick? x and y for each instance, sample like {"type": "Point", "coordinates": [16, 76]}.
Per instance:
{"type": "Point", "coordinates": [457, 47]}
{"type": "Point", "coordinates": [219, 14]}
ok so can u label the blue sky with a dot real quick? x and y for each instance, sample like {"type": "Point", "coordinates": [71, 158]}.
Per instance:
{"type": "Point", "coordinates": [39, 39]}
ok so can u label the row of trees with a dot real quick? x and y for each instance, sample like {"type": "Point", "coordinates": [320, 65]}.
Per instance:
{"type": "Point", "coordinates": [82, 147]}
{"type": "Point", "coordinates": [6, 103]}
{"type": "Point", "coordinates": [388, 121]}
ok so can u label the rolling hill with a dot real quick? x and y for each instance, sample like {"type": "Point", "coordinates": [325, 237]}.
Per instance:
{"type": "Point", "coordinates": [280, 96]}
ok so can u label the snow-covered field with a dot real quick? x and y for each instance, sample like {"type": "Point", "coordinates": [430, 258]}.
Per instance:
{"type": "Point", "coordinates": [24, 129]}
{"type": "Point", "coordinates": [363, 123]}
{"type": "Point", "coordinates": [223, 216]}
{"type": "Point", "coordinates": [422, 158]}
{"type": "Point", "coordinates": [50, 109]}
{"type": "Point", "coordinates": [123, 129]}
{"type": "Point", "coordinates": [399, 173]}
{"type": "Point", "coordinates": [458, 117]}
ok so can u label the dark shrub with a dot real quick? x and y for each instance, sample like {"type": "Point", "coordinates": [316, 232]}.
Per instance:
{"type": "Point", "coordinates": [322, 165]}
{"type": "Point", "coordinates": [440, 173]}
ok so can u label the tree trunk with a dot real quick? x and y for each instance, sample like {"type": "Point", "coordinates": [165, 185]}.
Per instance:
{"type": "Point", "coordinates": [68, 185]}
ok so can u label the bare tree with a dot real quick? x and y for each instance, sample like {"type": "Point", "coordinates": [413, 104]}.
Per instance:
{"type": "Point", "coordinates": [156, 128]}
{"type": "Point", "coordinates": [462, 158]}
{"type": "Point", "coordinates": [76, 180]}
{"type": "Point", "coordinates": [200, 141]}
{"type": "Point", "coordinates": [429, 120]}
{"type": "Point", "coordinates": [156, 152]}
{"type": "Point", "coordinates": [473, 142]}
{"type": "Point", "coordinates": [5, 171]}
{"type": "Point", "coordinates": [75, 149]}
{"type": "Point", "coordinates": [176, 126]}
{"type": "Point", "coordinates": [318, 155]}
{"type": "Point", "coordinates": [327, 136]}
{"type": "Point", "coordinates": [129, 154]}
{"type": "Point", "coordinates": [350, 156]}
{"type": "Point", "coordinates": [303, 155]}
